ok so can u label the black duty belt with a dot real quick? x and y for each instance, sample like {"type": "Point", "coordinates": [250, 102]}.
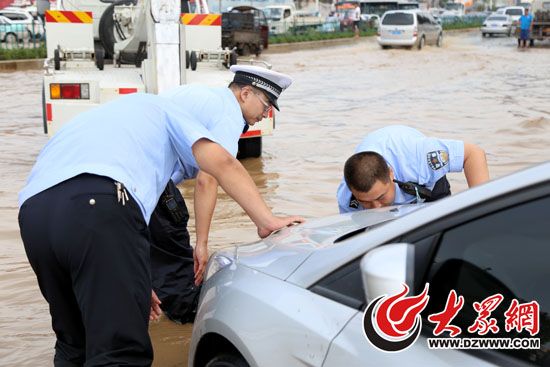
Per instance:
{"type": "Point", "coordinates": [169, 203]}
{"type": "Point", "coordinates": [415, 189]}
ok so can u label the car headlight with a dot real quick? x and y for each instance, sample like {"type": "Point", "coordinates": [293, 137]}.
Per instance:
{"type": "Point", "coordinates": [217, 263]}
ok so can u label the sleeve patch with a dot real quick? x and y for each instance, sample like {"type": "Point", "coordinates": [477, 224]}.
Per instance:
{"type": "Point", "coordinates": [437, 159]}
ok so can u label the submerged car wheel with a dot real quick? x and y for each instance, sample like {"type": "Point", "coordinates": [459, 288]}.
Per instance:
{"type": "Point", "coordinates": [421, 43]}
{"type": "Point", "coordinates": [227, 360]}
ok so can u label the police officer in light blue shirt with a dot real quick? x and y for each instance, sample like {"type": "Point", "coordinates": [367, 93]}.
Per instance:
{"type": "Point", "coordinates": [176, 268]}
{"type": "Point", "coordinates": [84, 211]}
{"type": "Point", "coordinates": [399, 165]}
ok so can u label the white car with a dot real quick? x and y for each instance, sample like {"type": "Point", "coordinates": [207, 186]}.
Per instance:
{"type": "Point", "coordinates": [409, 28]}
{"type": "Point", "coordinates": [34, 27]}
{"type": "Point", "coordinates": [11, 33]}
{"type": "Point", "coordinates": [514, 12]}
{"type": "Point", "coordinates": [298, 297]}
{"type": "Point", "coordinates": [497, 24]}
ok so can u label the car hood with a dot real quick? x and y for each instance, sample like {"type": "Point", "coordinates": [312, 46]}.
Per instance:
{"type": "Point", "coordinates": [281, 253]}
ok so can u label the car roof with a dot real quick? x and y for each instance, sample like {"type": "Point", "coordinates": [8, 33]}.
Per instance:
{"type": "Point", "coordinates": [410, 11]}
{"type": "Point", "coordinates": [330, 258]}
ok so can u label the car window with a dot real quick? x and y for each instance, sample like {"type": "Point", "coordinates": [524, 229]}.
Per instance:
{"type": "Point", "coordinates": [14, 16]}
{"type": "Point", "coordinates": [505, 252]}
{"type": "Point", "coordinates": [287, 13]}
{"type": "Point", "coordinates": [514, 12]}
{"type": "Point", "coordinates": [343, 286]}
{"type": "Point", "coordinates": [398, 19]}
{"type": "Point", "coordinates": [421, 19]}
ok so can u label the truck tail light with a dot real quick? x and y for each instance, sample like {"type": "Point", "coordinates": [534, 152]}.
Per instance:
{"type": "Point", "coordinates": [69, 91]}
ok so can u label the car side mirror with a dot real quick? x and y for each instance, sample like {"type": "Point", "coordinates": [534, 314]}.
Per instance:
{"type": "Point", "coordinates": [385, 269]}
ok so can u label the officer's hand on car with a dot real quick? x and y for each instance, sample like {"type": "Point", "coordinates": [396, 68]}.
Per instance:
{"type": "Point", "coordinates": [200, 258]}
{"type": "Point", "coordinates": [277, 223]}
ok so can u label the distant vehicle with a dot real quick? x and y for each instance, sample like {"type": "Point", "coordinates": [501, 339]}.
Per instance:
{"type": "Point", "coordinates": [299, 297]}
{"type": "Point", "coordinates": [515, 12]}
{"type": "Point", "coordinates": [497, 24]}
{"type": "Point", "coordinates": [372, 10]}
{"type": "Point", "coordinates": [12, 33]}
{"type": "Point", "coordinates": [409, 28]}
{"type": "Point", "coordinates": [455, 8]}
{"type": "Point", "coordinates": [285, 18]}
{"type": "Point", "coordinates": [34, 27]}
{"type": "Point", "coordinates": [245, 28]}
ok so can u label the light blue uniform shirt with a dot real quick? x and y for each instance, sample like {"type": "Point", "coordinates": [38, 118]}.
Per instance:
{"type": "Point", "coordinates": [138, 140]}
{"type": "Point", "coordinates": [217, 110]}
{"type": "Point", "coordinates": [412, 156]}
{"type": "Point", "coordinates": [525, 21]}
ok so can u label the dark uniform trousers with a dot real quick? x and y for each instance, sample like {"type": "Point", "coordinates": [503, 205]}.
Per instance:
{"type": "Point", "coordinates": [172, 257]}
{"type": "Point", "coordinates": [90, 254]}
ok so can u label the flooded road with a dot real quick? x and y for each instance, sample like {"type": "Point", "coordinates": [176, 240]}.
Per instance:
{"type": "Point", "coordinates": [482, 91]}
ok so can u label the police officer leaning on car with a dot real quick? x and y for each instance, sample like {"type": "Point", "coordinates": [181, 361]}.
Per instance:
{"type": "Point", "coordinates": [399, 165]}
{"type": "Point", "coordinates": [177, 268]}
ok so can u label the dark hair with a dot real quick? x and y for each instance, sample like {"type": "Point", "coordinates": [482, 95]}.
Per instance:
{"type": "Point", "coordinates": [363, 169]}
{"type": "Point", "coordinates": [236, 85]}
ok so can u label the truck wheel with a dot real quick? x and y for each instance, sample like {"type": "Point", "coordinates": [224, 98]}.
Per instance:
{"type": "Point", "coordinates": [56, 59]}
{"type": "Point", "coordinates": [100, 58]}
{"type": "Point", "coordinates": [193, 60]}
{"type": "Point", "coordinates": [107, 26]}
{"type": "Point", "coordinates": [250, 148]}
{"type": "Point", "coordinates": [531, 43]}
{"type": "Point", "coordinates": [227, 360]}
{"type": "Point", "coordinates": [187, 59]}
{"type": "Point", "coordinates": [439, 40]}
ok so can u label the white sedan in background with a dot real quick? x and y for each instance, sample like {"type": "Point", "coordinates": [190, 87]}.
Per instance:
{"type": "Point", "coordinates": [497, 24]}
{"type": "Point", "coordinates": [297, 298]}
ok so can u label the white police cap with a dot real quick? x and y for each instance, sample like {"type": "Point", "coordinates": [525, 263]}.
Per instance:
{"type": "Point", "coordinates": [271, 82]}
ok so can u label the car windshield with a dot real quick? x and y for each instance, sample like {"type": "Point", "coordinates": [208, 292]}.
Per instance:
{"type": "Point", "coordinates": [502, 19]}
{"type": "Point", "coordinates": [398, 19]}
{"type": "Point", "coordinates": [514, 12]}
{"type": "Point", "coordinates": [273, 13]}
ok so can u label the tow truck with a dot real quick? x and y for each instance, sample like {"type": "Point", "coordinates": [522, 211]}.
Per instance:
{"type": "Point", "coordinates": [132, 46]}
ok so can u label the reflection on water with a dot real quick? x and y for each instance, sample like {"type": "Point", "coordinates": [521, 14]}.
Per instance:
{"type": "Point", "coordinates": [483, 91]}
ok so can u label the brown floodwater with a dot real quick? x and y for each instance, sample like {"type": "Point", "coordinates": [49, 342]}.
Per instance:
{"type": "Point", "coordinates": [482, 91]}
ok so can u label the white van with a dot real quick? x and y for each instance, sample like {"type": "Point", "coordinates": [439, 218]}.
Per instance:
{"type": "Point", "coordinates": [514, 12]}
{"type": "Point", "coordinates": [409, 28]}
